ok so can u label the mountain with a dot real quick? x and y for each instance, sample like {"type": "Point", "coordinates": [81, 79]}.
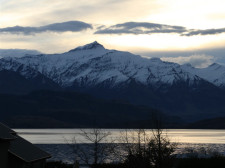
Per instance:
{"type": "Point", "coordinates": [17, 52]}
{"type": "Point", "coordinates": [112, 74]}
{"type": "Point", "coordinates": [16, 78]}
{"type": "Point", "coordinates": [13, 83]}
{"type": "Point", "coordinates": [93, 65]}
{"type": "Point", "coordinates": [214, 73]}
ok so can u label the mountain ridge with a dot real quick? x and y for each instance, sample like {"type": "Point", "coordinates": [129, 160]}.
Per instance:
{"type": "Point", "coordinates": [179, 90]}
{"type": "Point", "coordinates": [93, 59]}
{"type": "Point", "coordinates": [94, 52]}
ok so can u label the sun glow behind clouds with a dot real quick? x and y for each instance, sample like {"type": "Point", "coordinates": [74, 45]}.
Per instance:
{"type": "Point", "coordinates": [196, 14]}
{"type": "Point", "coordinates": [192, 14]}
{"type": "Point", "coordinates": [163, 41]}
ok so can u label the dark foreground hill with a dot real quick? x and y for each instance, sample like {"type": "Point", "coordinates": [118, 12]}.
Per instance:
{"type": "Point", "coordinates": [47, 109]}
{"type": "Point", "coordinates": [211, 123]}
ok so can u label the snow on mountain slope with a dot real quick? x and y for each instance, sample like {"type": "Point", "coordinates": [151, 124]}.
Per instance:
{"type": "Point", "coordinates": [92, 64]}
{"type": "Point", "coordinates": [214, 73]}
{"type": "Point", "coordinates": [17, 52]}
{"type": "Point", "coordinates": [12, 65]}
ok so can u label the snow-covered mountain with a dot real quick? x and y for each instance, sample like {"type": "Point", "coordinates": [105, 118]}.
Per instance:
{"type": "Point", "coordinates": [175, 89]}
{"type": "Point", "coordinates": [92, 65]}
{"type": "Point", "coordinates": [214, 73]}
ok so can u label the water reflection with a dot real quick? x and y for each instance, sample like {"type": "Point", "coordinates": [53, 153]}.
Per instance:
{"type": "Point", "coordinates": [59, 136]}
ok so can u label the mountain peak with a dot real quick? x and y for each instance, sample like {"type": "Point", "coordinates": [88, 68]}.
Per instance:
{"type": "Point", "coordinates": [93, 45]}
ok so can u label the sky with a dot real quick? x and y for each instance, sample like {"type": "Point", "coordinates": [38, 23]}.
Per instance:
{"type": "Point", "coordinates": [180, 31]}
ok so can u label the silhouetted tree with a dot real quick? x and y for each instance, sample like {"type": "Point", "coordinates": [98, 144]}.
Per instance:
{"type": "Point", "coordinates": [160, 148]}
{"type": "Point", "coordinates": [99, 148]}
{"type": "Point", "coordinates": [145, 149]}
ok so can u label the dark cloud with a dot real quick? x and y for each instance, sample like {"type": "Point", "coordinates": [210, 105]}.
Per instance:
{"type": "Point", "coordinates": [205, 32]}
{"type": "Point", "coordinates": [123, 28]}
{"type": "Point", "coordinates": [140, 28]}
{"type": "Point", "coordinates": [73, 26]}
{"type": "Point", "coordinates": [151, 28]}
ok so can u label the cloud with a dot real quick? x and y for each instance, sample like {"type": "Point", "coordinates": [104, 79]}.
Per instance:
{"type": "Point", "coordinates": [198, 61]}
{"type": "Point", "coordinates": [140, 28]}
{"type": "Point", "coordinates": [123, 28]}
{"type": "Point", "coordinates": [72, 26]}
{"type": "Point", "coordinates": [153, 28]}
{"type": "Point", "coordinates": [205, 32]}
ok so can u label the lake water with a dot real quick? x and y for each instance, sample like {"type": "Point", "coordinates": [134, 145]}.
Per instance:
{"type": "Point", "coordinates": [61, 136]}
{"type": "Point", "coordinates": [55, 141]}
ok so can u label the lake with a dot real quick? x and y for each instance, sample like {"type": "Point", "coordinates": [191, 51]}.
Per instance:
{"type": "Point", "coordinates": [61, 136]}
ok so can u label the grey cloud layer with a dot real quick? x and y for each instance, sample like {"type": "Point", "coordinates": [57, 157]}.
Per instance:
{"type": "Point", "coordinates": [123, 28]}
{"type": "Point", "coordinates": [73, 26]}
{"type": "Point", "coordinates": [140, 28]}
{"type": "Point", "coordinates": [152, 28]}
{"type": "Point", "coordinates": [205, 32]}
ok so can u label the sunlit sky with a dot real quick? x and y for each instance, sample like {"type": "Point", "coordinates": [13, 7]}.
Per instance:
{"type": "Point", "coordinates": [176, 30]}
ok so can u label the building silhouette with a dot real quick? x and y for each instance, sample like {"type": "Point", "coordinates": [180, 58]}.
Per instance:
{"type": "Point", "coordinates": [16, 152]}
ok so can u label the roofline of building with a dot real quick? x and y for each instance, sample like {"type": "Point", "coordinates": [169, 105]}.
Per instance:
{"type": "Point", "coordinates": [11, 130]}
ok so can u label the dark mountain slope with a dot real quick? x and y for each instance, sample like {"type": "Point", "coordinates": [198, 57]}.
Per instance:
{"type": "Point", "coordinates": [66, 109]}
{"type": "Point", "coordinates": [13, 83]}
{"type": "Point", "coordinates": [199, 101]}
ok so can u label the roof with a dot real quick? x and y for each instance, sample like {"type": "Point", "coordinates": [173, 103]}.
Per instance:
{"type": "Point", "coordinates": [20, 147]}
{"type": "Point", "coordinates": [26, 151]}
{"type": "Point", "coordinates": [6, 133]}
